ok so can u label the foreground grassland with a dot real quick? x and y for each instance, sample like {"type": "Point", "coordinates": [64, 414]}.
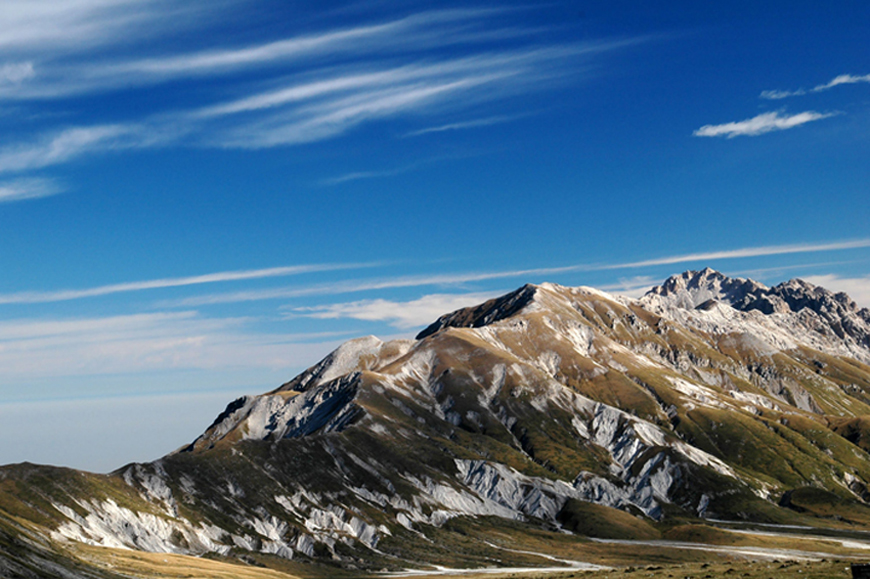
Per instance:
{"type": "Point", "coordinates": [160, 565]}
{"type": "Point", "coordinates": [686, 552]}
{"type": "Point", "coordinates": [828, 569]}
{"type": "Point", "coordinates": [154, 566]}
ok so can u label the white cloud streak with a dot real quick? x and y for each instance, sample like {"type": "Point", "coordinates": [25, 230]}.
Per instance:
{"type": "Point", "coordinates": [781, 94]}
{"type": "Point", "coordinates": [47, 43]}
{"type": "Point", "coordinates": [328, 119]}
{"type": "Point", "coordinates": [408, 75]}
{"type": "Point", "coordinates": [473, 124]}
{"type": "Point", "coordinates": [761, 124]}
{"type": "Point", "coordinates": [298, 114]}
{"type": "Point", "coordinates": [767, 250]}
{"type": "Point", "coordinates": [402, 315]}
{"type": "Point", "coordinates": [633, 287]}
{"type": "Point", "coordinates": [354, 286]}
{"type": "Point", "coordinates": [404, 35]}
{"type": "Point", "coordinates": [836, 81]}
{"type": "Point", "coordinates": [413, 32]}
{"type": "Point", "coordinates": [353, 76]}
{"type": "Point", "coordinates": [38, 26]}
{"type": "Point", "coordinates": [15, 73]}
{"type": "Point", "coordinates": [843, 79]}
{"type": "Point", "coordinates": [331, 105]}
{"type": "Point", "coordinates": [308, 111]}
{"type": "Point", "coordinates": [28, 188]}
{"type": "Point", "coordinates": [213, 61]}
{"type": "Point", "coordinates": [34, 297]}
{"type": "Point", "coordinates": [362, 175]}
{"type": "Point", "coordinates": [69, 144]}
{"type": "Point", "coordinates": [146, 343]}
{"type": "Point", "coordinates": [766, 272]}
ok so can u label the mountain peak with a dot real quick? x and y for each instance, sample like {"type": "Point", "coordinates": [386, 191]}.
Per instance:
{"type": "Point", "coordinates": [691, 289]}
{"type": "Point", "coordinates": [837, 309]}
{"type": "Point", "coordinates": [812, 309]}
{"type": "Point", "coordinates": [486, 313]}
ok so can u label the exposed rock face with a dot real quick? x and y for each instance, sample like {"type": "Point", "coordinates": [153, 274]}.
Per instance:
{"type": "Point", "coordinates": [324, 407]}
{"type": "Point", "coordinates": [692, 289]}
{"type": "Point", "coordinates": [795, 312]}
{"type": "Point", "coordinates": [838, 310]}
{"type": "Point", "coordinates": [707, 395]}
{"type": "Point", "coordinates": [813, 315]}
{"type": "Point", "coordinates": [486, 313]}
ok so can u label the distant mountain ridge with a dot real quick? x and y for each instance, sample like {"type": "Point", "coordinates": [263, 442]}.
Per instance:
{"type": "Point", "coordinates": [843, 314]}
{"type": "Point", "coordinates": [709, 398]}
{"type": "Point", "coordinates": [815, 308]}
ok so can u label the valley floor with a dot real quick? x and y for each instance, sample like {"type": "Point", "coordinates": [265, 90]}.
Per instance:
{"type": "Point", "coordinates": [792, 554]}
{"type": "Point", "coordinates": [773, 569]}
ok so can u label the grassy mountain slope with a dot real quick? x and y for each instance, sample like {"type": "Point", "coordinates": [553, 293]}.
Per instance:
{"type": "Point", "coordinates": [547, 410]}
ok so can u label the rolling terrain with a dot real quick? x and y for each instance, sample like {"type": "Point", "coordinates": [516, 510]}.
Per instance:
{"type": "Point", "coordinates": [551, 427]}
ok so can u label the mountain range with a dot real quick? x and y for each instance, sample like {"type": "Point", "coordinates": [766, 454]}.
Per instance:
{"type": "Point", "coordinates": [550, 426]}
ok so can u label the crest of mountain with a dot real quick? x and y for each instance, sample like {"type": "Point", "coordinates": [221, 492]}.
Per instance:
{"type": "Point", "coordinates": [709, 398]}
{"type": "Point", "coordinates": [486, 313]}
{"type": "Point", "coordinates": [694, 289]}
{"type": "Point", "coordinates": [821, 318]}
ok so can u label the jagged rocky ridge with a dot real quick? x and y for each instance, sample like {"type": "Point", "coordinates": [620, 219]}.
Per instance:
{"type": "Point", "coordinates": [708, 397]}
{"type": "Point", "coordinates": [815, 308]}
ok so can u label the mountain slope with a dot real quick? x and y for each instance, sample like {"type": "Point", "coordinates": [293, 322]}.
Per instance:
{"type": "Point", "coordinates": [709, 398]}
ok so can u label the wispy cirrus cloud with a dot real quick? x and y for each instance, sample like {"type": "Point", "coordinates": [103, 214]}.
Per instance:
{"type": "Point", "coordinates": [362, 285]}
{"type": "Point", "coordinates": [68, 144]}
{"type": "Point", "coordinates": [765, 250]}
{"type": "Point", "coordinates": [362, 175]}
{"type": "Point", "coordinates": [148, 342]}
{"type": "Point", "coordinates": [36, 297]}
{"type": "Point", "coordinates": [327, 106]}
{"type": "Point", "coordinates": [58, 79]}
{"type": "Point", "coordinates": [633, 287]}
{"type": "Point", "coordinates": [216, 61]}
{"type": "Point", "coordinates": [456, 279]}
{"type": "Point", "coordinates": [403, 315]}
{"type": "Point", "coordinates": [462, 125]}
{"type": "Point", "coordinates": [315, 109]}
{"type": "Point", "coordinates": [777, 271]}
{"type": "Point", "coordinates": [43, 27]}
{"type": "Point", "coordinates": [391, 172]}
{"type": "Point", "coordinates": [321, 84]}
{"type": "Point", "coordinates": [760, 124]}
{"type": "Point", "coordinates": [326, 119]}
{"type": "Point", "coordinates": [781, 94]}
{"type": "Point", "coordinates": [28, 188]}
{"type": "Point", "coordinates": [357, 80]}
{"type": "Point", "coordinates": [14, 73]}
{"type": "Point", "coordinates": [836, 81]}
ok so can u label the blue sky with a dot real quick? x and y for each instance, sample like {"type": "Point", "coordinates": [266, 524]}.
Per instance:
{"type": "Point", "coordinates": [199, 200]}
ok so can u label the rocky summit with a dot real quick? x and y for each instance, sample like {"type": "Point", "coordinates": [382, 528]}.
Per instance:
{"type": "Point", "coordinates": [548, 416]}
